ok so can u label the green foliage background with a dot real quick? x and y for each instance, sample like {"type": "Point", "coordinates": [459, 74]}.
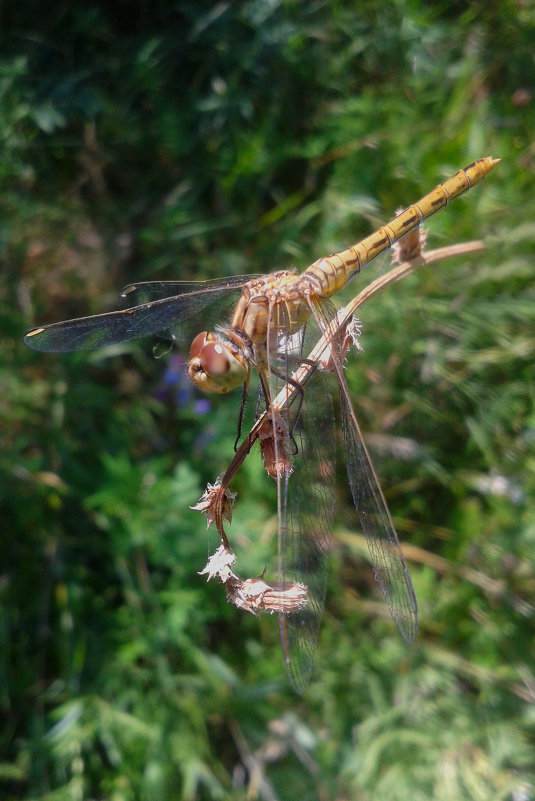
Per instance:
{"type": "Point", "coordinates": [192, 140]}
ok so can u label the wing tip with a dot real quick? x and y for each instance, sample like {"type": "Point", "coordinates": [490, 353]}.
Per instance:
{"type": "Point", "coordinates": [33, 331]}
{"type": "Point", "coordinates": [30, 342]}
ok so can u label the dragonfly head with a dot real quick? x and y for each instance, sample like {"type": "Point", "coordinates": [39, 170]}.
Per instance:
{"type": "Point", "coordinates": [216, 366]}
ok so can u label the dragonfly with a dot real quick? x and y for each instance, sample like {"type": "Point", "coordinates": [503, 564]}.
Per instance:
{"type": "Point", "coordinates": [275, 319]}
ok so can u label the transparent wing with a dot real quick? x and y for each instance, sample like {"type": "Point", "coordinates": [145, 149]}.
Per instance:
{"type": "Point", "coordinates": [190, 299]}
{"type": "Point", "coordinates": [305, 534]}
{"type": "Point", "coordinates": [386, 556]}
{"type": "Point", "coordinates": [305, 497]}
{"type": "Point", "coordinates": [146, 291]}
{"type": "Point", "coordinates": [387, 559]}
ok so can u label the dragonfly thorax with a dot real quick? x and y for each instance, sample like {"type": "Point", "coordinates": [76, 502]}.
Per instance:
{"type": "Point", "coordinates": [217, 365]}
{"type": "Point", "coordinates": [273, 304]}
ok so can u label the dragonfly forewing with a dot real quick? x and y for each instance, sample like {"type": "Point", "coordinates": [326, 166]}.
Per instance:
{"type": "Point", "coordinates": [158, 311]}
{"type": "Point", "coordinates": [147, 291]}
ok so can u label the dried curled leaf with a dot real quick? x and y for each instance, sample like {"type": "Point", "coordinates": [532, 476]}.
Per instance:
{"type": "Point", "coordinates": [275, 453]}
{"type": "Point", "coordinates": [218, 565]}
{"type": "Point", "coordinates": [207, 503]}
{"type": "Point", "coordinates": [255, 595]}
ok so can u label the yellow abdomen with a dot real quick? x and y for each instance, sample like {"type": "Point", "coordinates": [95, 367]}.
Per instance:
{"type": "Point", "coordinates": [333, 271]}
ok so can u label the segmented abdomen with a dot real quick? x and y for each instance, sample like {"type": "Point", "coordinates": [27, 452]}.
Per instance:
{"type": "Point", "coordinates": [331, 273]}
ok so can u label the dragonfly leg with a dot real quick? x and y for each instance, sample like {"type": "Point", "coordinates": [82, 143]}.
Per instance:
{"type": "Point", "coordinates": [300, 396]}
{"type": "Point", "coordinates": [244, 392]}
{"type": "Point", "coordinates": [259, 395]}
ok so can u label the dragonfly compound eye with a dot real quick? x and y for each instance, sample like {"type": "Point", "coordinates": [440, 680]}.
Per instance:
{"type": "Point", "coordinates": [215, 359]}
{"type": "Point", "coordinates": [199, 342]}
